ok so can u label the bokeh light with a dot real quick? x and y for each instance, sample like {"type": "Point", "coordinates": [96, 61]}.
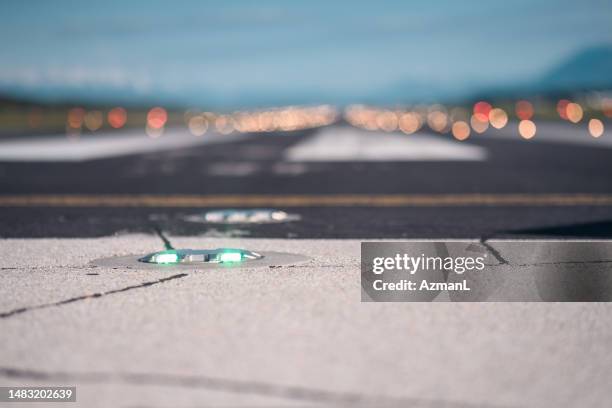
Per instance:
{"type": "Point", "coordinates": [561, 108]}
{"type": "Point", "coordinates": [479, 125]}
{"type": "Point", "coordinates": [409, 122]}
{"type": "Point", "coordinates": [606, 107]}
{"type": "Point", "coordinates": [461, 130]}
{"type": "Point", "coordinates": [437, 119]}
{"type": "Point", "coordinates": [75, 118]}
{"type": "Point", "coordinates": [498, 118]}
{"type": "Point", "coordinates": [574, 112]}
{"type": "Point", "coordinates": [198, 125]}
{"type": "Point", "coordinates": [157, 118]}
{"type": "Point", "coordinates": [527, 129]}
{"type": "Point", "coordinates": [93, 120]}
{"type": "Point", "coordinates": [225, 125]}
{"type": "Point", "coordinates": [596, 127]}
{"type": "Point", "coordinates": [117, 117]}
{"type": "Point", "coordinates": [387, 121]}
{"type": "Point", "coordinates": [482, 110]}
{"type": "Point", "coordinates": [524, 110]}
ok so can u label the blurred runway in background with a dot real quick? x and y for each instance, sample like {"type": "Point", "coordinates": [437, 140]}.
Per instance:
{"type": "Point", "coordinates": [344, 182]}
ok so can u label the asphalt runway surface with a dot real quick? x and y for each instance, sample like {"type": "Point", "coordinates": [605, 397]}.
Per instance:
{"type": "Point", "coordinates": [343, 182]}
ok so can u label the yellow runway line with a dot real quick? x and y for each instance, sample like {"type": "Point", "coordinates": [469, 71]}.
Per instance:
{"type": "Point", "coordinates": [303, 200]}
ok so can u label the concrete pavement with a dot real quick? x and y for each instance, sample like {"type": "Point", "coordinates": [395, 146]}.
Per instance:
{"type": "Point", "coordinates": [294, 335]}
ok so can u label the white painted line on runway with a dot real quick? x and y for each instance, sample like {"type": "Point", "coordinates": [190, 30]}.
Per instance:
{"type": "Point", "coordinates": [351, 144]}
{"type": "Point", "coordinates": [102, 145]}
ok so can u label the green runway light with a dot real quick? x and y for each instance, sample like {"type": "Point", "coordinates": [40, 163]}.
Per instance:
{"type": "Point", "coordinates": [230, 257]}
{"type": "Point", "coordinates": [166, 258]}
{"type": "Point", "coordinates": [226, 256]}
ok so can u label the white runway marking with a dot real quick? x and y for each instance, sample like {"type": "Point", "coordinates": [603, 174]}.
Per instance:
{"type": "Point", "coordinates": [102, 145]}
{"type": "Point", "coordinates": [351, 144]}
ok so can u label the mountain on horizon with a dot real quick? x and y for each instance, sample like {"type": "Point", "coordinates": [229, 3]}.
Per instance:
{"type": "Point", "coordinates": [588, 69]}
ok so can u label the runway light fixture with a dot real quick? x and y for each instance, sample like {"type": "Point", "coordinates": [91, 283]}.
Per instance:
{"type": "Point", "coordinates": [230, 256]}
{"type": "Point", "coordinates": [242, 216]}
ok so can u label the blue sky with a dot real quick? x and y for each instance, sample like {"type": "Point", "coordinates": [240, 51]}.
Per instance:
{"type": "Point", "coordinates": [241, 53]}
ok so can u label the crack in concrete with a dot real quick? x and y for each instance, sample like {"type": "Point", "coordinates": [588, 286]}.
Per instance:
{"type": "Point", "coordinates": [4, 315]}
{"type": "Point", "coordinates": [603, 261]}
{"type": "Point", "coordinates": [494, 252]}
{"type": "Point", "coordinates": [311, 266]}
{"type": "Point", "coordinates": [46, 267]}
{"type": "Point", "coordinates": [299, 393]}
{"type": "Point", "coordinates": [504, 261]}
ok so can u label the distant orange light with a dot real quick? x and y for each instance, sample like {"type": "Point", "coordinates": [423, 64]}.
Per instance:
{"type": "Point", "coordinates": [606, 107]}
{"type": "Point", "coordinates": [498, 118]}
{"type": "Point", "coordinates": [198, 125]}
{"type": "Point", "coordinates": [265, 121]}
{"type": "Point", "coordinates": [157, 118]}
{"type": "Point", "coordinates": [438, 121]}
{"type": "Point", "coordinates": [387, 121]}
{"type": "Point", "coordinates": [461, 130]}
{"type": "Point", "coordinates": [479, 126]}
{"type": "Point", "coordinates": [561, 108]}
{"type": "Point", "coordinates": [75, 117]}
{"type": "Point", "coordinates": [574, 112]}
{"type": "Point", "coordinates": [596, 127]}
{"type": "Point", "coordinates": [409, 122]}
{"type": "Point", "coordinates": [94, 120]}
{"type": "Point", "coordinates": [482, 110]}
{"type": "Point", "coordinates": [369, 120]}
{"type": "Point", "coordinates": [527, 129]}
{"type": "Point", "coordinates": [117, 117]}
{"type": "Point", "coordinates": [524, 110]}
{"type": "Point", "coordinates": [224, 124]}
